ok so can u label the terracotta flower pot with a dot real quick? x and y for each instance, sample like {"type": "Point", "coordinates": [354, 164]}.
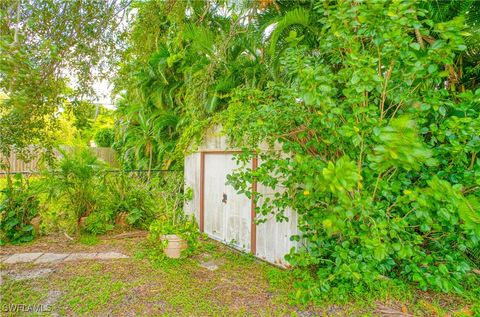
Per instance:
{"type": "Point", "coordinates": [35, 222]}
{"type": "Point", "coordinates": [121, 219]}
{"type": "Point", "coordinates": [81, 222]}
{"type": "Point", "coordinates": [175, 245]}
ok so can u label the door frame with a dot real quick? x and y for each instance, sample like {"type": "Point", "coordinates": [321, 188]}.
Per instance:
{"type": "Point", "coordinates": [253, 226]}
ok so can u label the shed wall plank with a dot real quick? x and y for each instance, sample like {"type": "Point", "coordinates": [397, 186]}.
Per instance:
{"type": "Point", "coordinates": [192, 180]}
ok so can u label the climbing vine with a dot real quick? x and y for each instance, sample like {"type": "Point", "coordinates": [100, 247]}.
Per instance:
{"type": "Point", "coordinates": [375, 149]}
{"type": "Point", "coordinates": [370, 110]}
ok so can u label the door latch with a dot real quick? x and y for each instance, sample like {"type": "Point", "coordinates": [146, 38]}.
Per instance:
{"type": "Point", "coordinates": [224, 199]}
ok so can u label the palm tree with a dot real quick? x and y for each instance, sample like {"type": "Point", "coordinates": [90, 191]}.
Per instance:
{"type": "Point", "coordinates": [146, 137]}
{"type": "Point", "coordinates": [467, 70]}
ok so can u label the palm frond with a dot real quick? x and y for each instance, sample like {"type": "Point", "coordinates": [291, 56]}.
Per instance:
{"type": "Point", "coordinates": [202, 38]}
{"type": "Point", "coordinates": [298, 16]}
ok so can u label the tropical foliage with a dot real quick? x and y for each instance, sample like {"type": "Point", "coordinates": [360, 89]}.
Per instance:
{"type": "Point", "coordinates": [178, 71]}
{"type": "Point", "coordinates": [375, 106]}
{"type": "Point", "coordinates": [83, 193]}
{"type": "Point", "coordinates": [51, 54]}
{"type": "Point", "coordinates": [75, 181]}
{"type": "Point", "coordinates": [370, 111]}
{"type": "Point", "coordinates": [18, 206]}
{"type": "Point", "coordinates": [105, 137]}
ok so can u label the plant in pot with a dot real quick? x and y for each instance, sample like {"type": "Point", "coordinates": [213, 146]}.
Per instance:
{"type": "Point", "coordinates": [177, 233]}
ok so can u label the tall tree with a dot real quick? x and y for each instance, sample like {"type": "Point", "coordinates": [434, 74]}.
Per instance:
{"type": "Point", "coordinates": [51, 51]}
{"type": "Point", "coordinates": [185, 58]}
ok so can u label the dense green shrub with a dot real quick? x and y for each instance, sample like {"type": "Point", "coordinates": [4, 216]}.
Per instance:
{"type": "Point", "coordinates": [82, 193]}
{"type": "Point", "coordinates": [131, 195]}
{"type": "Point", "coordinates": [76, 182]}
{"type": "Point", "coordinates": [378, 149]}
{"type": "Point", "coordinates": [105, 137]}
{"type": "Point", "coordinates": [18, 206]}
{"type": "Point", "coordinates": [99, 222]}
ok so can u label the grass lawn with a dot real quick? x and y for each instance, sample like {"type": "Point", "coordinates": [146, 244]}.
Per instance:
{"type": "Point", "coordinates": [147, 285]}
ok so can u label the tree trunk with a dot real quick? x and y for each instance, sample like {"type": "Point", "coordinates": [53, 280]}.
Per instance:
{"type": "Point", "coordinates": [17, 26]}
{"type": "Point", "coordinates": [150, 161]}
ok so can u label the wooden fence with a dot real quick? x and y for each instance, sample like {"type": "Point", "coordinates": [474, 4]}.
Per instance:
{"type": "Point", "coordinates": [18, 166]}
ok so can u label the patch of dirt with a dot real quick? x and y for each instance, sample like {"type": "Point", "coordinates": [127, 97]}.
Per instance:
{"type": "Point", "coordinates": [29, 274]}
{"type": "Point", "coordinates": [52, 297]}
{"type": "Point", "coordinates": [383, 310]}
{"type": "Point", "coordinates": [59, 243]}
{"type": "Point", "coordinates": [141, 300]}
{"type": "Point", "coordinates": [210, 265]}
{"type": "Point", "coordinates": [202, 275]}
{"type": "Point", "coordinates": [238, 294]}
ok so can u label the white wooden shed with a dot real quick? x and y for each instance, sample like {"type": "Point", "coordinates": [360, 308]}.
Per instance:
{"type": "Point", "coordinates": [227, 216]}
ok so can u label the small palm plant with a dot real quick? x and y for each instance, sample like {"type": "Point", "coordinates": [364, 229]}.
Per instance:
{"type": "Point", "coordinates": [76, 181]}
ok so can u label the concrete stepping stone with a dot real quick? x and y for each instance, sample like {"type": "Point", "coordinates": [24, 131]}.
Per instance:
{"type": "Point", "coordinates": [110, 256]}
{"type": "Point", "coordinates": [51, 257]}
{"type": "Point", "coordinates": [22, 258]}
{"type": "Point", "coordinates": [209, 265]}
{"type": "Point", "coordinates": [38, 258]}
{"type": "Point", "coordinates": [80, 256]}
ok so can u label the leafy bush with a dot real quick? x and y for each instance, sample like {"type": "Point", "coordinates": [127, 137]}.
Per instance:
{"type": "Point", "coordinates": [76, 182]}
{"type": "Point", "coordinates": [98, 222]}
{"type": "Point", "coordinates": [132, 195]}
{"type": "Point", "coordinates": [105, 137]}
{"type": "Point", "coordinates": [79, 186]}
{"type": "Point", "coordinates": [18, 207]}
{"type": "Point", "coordinates": [378, 158]}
